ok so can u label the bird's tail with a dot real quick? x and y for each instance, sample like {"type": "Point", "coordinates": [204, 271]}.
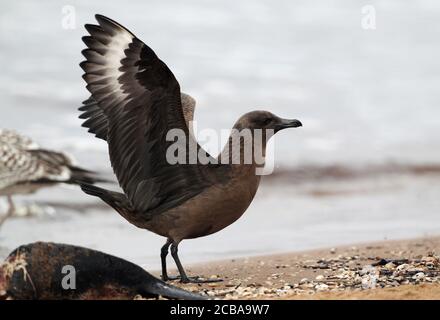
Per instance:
{"type": "Point", "coordinates": [81, 176]}
{"type": "Point", "coordinates": [60, 168]}
{"type": "Point", "coordinates": [116, 200]}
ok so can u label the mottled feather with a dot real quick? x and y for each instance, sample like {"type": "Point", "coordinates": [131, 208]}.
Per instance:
{"type": "Point", "coordinates": [24, 167]}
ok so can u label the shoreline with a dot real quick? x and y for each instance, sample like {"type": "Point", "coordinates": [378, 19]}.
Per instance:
{"type": "Point", "coordinates": [303, 216]}
{"type": "Point", "coordinates": [389, 269]}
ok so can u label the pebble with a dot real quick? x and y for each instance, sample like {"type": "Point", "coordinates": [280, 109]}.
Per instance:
{"type": "Point", "coordinates": [304, 280]}
{"type": "Point", "coordinates": [345, 275]}
{"type": "Point", "coordinates": [321, 287]}
{"type": "Point", "coordinates": [390, 265]}
{"type": "Point", "coordinates": [403, 267]}
{"type": "Point", "coordinates": [419, 276]}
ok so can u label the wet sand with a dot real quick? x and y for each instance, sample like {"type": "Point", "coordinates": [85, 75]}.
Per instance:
{"type": "Point", "coordinates": [402, 269]}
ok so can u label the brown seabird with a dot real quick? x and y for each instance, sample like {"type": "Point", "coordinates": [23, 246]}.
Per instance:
{"type": "Point", "coordinates": [135, 101]}
{"type": "Point", "coordinates": [25, 168]}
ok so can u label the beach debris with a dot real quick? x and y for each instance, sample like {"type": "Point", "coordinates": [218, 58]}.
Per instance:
{"type": "Point", "coordinates": [54, 271]}
{"type": "Point", "coordinates": [338, 273]}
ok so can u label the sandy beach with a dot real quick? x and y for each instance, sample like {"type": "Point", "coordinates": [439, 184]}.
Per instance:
{"type": "Point", "coordinates": [399, 269]}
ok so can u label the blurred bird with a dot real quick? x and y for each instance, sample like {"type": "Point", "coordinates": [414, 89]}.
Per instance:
{"type": "Point", "coordinates": [135, 102]}
{"type": "Point", "coordinates": [25, 168]}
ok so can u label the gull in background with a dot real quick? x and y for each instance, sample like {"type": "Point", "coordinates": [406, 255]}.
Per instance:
{"type": "Point", "coordinates": [25, 168]}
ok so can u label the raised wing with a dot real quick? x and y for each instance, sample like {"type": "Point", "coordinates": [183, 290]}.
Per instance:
{"type": "Point", "coordinates": [140, 99]}
{"type": "Point", "coordinates": [97, 122]}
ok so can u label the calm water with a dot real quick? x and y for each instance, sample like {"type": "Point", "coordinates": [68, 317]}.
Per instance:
{"type": "Point", "coordinates": [364, 96]}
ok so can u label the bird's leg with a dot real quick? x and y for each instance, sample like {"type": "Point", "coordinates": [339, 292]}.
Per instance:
{"type": "Point", "coordinates": [163, 260]}
{"type": "Point", "coordinates": [183, 277]}
{"type": "Point", "coordinates": [10, 211]}
{"type": "Point", "coordinates": [163, 256]}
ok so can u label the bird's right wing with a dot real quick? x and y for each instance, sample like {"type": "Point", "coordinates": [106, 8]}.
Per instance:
{"type": "Point", "coordinates": [97, 122]}
{"type": "Point", "coordinates": [141, 101]}
{"type": "Point", "coordinates": [95, 119]}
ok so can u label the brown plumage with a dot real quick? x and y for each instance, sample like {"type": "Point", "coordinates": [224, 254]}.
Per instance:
{"type": "Point", "coordinates": [135, 101]}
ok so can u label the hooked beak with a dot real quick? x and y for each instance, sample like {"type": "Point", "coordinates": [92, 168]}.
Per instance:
{"type": "Point", "coordinates": [287, 123]}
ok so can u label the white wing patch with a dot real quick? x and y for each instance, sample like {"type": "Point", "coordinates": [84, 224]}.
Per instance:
{"type": "Point", "coordinates": [104, 60]}
{"type": "Point", "coordinates": [116, 52]}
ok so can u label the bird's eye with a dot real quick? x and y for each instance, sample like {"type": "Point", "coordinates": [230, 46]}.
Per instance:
{"type": "Point", "coordinates": [266, 121]}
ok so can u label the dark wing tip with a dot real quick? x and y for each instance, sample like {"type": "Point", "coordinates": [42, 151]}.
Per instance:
{"type": "Point", "coordinates": [103, 19]}
{"type": "Point", "coordinates": [83, 65]}
{"type": "Point", "coordinates": [82, 109]}
{"type": "Point", "coordinates": [93, 28]}
{"type": "Point", "coordinates": [95, 119]}
{"type": "Point", "coordinates": [87, 40]}
{"type": "Point", "coordinates": [100, 16]}
{"type": "Point", "coordinates": [90, 26]}
{"type": "Point", "coordinates": [85, 51]}
{"type": "Point", "coordinates": [84, 105]}
{"type": "Point", "coordinates": [110, 25]}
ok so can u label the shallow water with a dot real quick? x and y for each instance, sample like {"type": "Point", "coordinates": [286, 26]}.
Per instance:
{"type": "Point", "coordinates": [283, 217]}
{"type": "Point", "coordinates": [365, 97]}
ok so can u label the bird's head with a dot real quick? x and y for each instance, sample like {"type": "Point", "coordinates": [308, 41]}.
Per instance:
{"type": "Point", "coordinates": [251, 133]}
{"type": "Point", "coordinates": [265, 120]}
